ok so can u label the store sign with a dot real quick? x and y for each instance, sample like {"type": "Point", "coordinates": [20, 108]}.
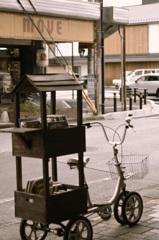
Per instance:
{"type": "Point", "coordinates": [20, 26]}
{"type": "Point", "coordinates": [51, 26]}
{"type": "Point", "coordinates": [91, 86]}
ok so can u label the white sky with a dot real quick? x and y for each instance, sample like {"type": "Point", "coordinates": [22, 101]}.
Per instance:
{"type": "Point", "coordinates": [121, 3]}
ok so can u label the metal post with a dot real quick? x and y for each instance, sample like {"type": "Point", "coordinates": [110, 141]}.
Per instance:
{"type": "Point", "coordinates": [114, 102]}
{"type": "Point", "coordinates": [145, 96]}
{"type": "Point", "coordinates": [102, 57]}
{"type": "Point", "coordinates": [120, 94]}
{"type": "Point", "coordinates": [130, 101]}
{"type": "Point", "coordinates": [135, 95]}
{"type": "Point", "coordinates": [140, 96]}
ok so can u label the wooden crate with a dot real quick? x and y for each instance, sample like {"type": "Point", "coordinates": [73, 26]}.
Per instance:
{"type": "Point", "coordinates": [52, 209]}
{"type": "Point", "coordinates": [49, 143]}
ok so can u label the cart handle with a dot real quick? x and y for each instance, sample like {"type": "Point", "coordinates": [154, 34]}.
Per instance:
{"type": "Point", "coordinates": [127, 125]}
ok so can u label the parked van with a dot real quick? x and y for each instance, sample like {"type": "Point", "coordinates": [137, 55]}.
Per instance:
{"type": "Point", "coordinates": [134, 74]}
{"type": "Point", "coordinates": [150, 82]}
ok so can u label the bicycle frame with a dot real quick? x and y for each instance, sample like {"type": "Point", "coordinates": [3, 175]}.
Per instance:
{"type": "Point", "coordinates": [121, 179]}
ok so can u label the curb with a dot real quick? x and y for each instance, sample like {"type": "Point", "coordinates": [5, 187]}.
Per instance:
{"type": "Point", "coordinates": [149, 110]}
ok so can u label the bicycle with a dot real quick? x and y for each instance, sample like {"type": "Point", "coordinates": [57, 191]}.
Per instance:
{"type": "Point", "coordinates": [128, 206]}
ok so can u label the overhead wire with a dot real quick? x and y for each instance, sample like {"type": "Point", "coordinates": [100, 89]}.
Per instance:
{"type": "Point", "coordinates": [84, 94]}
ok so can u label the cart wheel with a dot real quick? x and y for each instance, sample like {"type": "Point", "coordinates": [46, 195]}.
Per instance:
{"type": "Point", "coordinates": [32, 230]}
{"type": "Point", "coordinates": [118, 207]}
{"type": "Point", "coordinates": [78, 228]}
{"type": "Point", "coordinates": [132, 208]}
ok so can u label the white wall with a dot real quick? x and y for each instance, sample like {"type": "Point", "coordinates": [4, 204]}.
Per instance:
{"type": "Point", "coordinates": [154, 38]}
{"type": "Point", "coordinates": [66, 49]}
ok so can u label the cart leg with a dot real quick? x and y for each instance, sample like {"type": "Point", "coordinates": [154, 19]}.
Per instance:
{"type": "Point", "coordinates": [81, 170]}
{"type": "Point", "coordinates": [46, 176]}
{"type": "Point", "coordinates": [54, 169]}
{"type": "Point", "coordinates": [19, 173]}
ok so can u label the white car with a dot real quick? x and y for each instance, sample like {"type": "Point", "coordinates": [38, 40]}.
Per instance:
{"type": "Point", "coordinates": [150, 82]}
{"type": "Point", "coordinates": [135, 74]}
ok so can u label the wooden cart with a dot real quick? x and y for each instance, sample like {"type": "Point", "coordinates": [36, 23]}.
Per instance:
{"type": "Point", "coordinates": [45, 144]}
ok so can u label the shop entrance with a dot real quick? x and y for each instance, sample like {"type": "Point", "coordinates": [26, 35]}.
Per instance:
{"type": "Point", "coordinates": [9, 73]}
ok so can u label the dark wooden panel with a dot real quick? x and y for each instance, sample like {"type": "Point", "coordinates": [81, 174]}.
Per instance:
{"type": "Point", "coordinates": [30, 206]}
{"type": "Point", "coordinates": [49, 143]}
{"type": "Point", "coordinates": [64, 141]}
{"type": "Point", "coordinates": [52, 209]}
{"type": "Point", "coordinates": [32, 147]}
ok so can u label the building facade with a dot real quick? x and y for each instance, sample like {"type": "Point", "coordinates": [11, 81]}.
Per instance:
{"type": "Point", "coordinates": [141, 42]}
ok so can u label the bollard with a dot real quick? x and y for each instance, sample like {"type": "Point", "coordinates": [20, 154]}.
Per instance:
{"type": "Point", "coordinates": [130, 101]}
{"type": "Point", "coordinates": [145, 96]}
{"type": "Point", "coordinates": [140, 96]}
{"type": "Point", "coordinates": [114, 102]}
{"type": "Point", "coordinates": [120, 94]}
{"type": "Point", "coordinates": [135, 95]}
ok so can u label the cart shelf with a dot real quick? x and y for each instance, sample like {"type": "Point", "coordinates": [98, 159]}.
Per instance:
{"type": "Point", "coordinates": [39, 143]}
{"type": "Point", "coordinates": [50, 209]}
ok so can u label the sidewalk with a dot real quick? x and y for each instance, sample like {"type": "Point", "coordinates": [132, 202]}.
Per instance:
{"type": "Point", "coordinates": [147, 228]}
{"type": "Point", "coordinates": [147, 110]}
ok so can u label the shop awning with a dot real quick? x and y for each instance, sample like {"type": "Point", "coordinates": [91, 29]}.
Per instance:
{"type": "Point", "coordinates": [57, 8]}
{"type": "Point", "coordinates": [113, 17]}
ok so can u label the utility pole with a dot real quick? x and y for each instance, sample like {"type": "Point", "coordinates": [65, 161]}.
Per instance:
{"type": "Point", "coordinates": [123, 79]}
{"type": "Point", "coordinates": [102, 57]}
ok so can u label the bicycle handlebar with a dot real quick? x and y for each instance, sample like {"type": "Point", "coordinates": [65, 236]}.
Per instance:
{"type": "Point", "coordinates": [127, 125]}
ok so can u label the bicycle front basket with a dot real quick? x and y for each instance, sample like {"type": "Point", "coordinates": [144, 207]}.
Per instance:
{"type": "Point", "coordinates": [135, 165]}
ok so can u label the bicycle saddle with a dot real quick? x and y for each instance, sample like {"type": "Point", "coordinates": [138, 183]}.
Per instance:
{"type": "Point", "coordinates": [73, 162]}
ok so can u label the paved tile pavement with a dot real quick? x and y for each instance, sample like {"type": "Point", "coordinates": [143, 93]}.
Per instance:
{"type": "Point", "coordinates": [147, 228]}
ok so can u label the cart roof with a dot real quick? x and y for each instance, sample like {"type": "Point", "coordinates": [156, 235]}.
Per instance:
{"type": "Point", "coordinates": [47, 83]}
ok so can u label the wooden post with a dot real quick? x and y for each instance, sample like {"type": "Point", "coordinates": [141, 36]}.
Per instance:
{"type": "Point", "coordinates": [16, 109]}
{"type": "Point", "coordinates": [79, 108]}
{"type": "Point", "coordinates": [43, 110]}
{"type": "Point", "coordinates": [19, 173]}
{"type": "Point", "coordinates": [44, 126]}
{"type": "Point", "coordinates": [54, 159]}
{"type": "Point", "coordinates": [79, 122]}
{"type": "Point", "coordinates": [17, 159]}
{"type": "Point", "coordinates": [53, 103]}
{"type": "Point", "coordinates": [46, 176]}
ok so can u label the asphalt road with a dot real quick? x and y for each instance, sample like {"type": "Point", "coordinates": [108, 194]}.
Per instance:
{"type": "Point", "coordinates": [144, 139]}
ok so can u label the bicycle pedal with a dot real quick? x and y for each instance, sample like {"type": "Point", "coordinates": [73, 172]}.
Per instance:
{"type": "Point", "coordinates": [58, 232]}
{"type": "Point", "coordinates": [105, 215]}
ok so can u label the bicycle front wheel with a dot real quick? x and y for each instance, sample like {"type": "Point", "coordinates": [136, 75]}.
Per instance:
{"type": "Point", "coordinates": [132, 208]}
